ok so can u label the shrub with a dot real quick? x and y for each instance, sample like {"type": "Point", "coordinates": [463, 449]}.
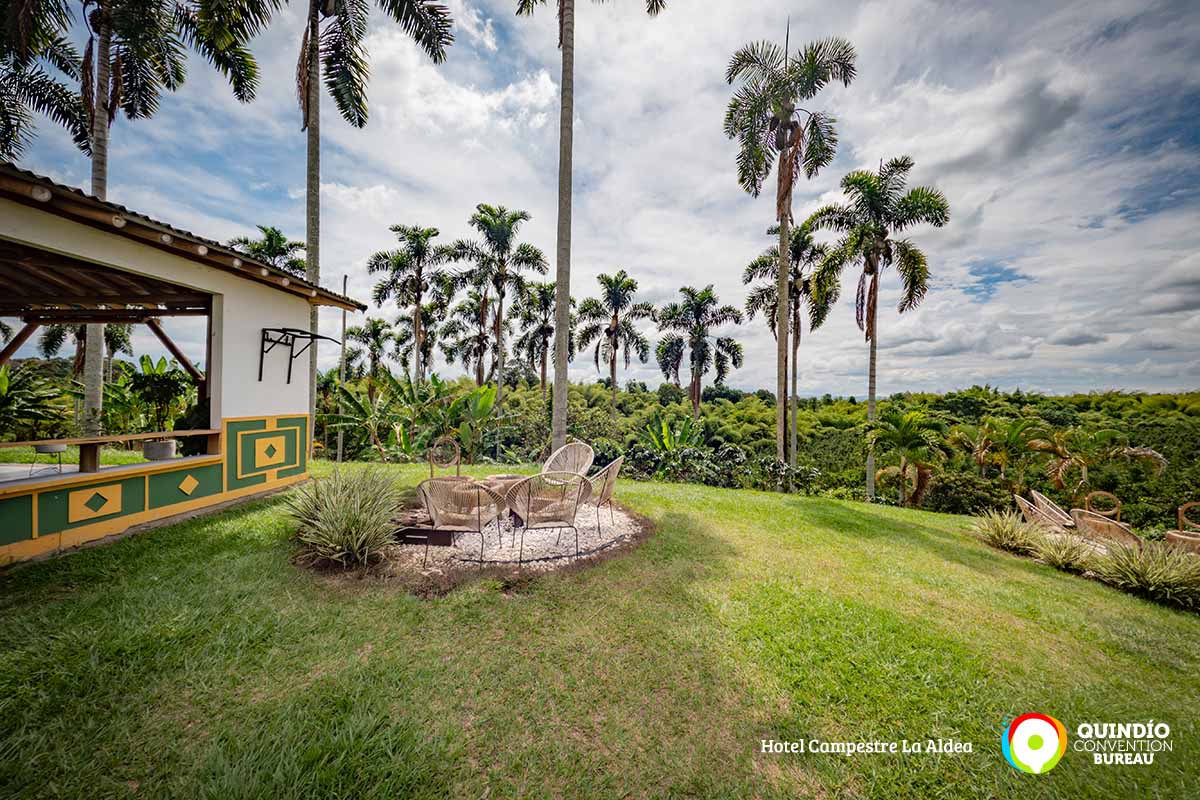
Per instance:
{"type": "Point", "coordinates": [1159, 571]}
{"type": "Point", "coordinates": [345, 518]}
{"type": "Point", "coordinates": [1007, 531]}
{"type": "Point", "coordinates": [1068, 553]}
{"type": "Point", "coordinates": [966, 493]}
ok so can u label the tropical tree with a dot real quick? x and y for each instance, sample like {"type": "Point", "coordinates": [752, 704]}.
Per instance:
{"type": "Point", "coordinates": [117, 339]}
{"type": "Point", "coordinates": [338, 50]}
{"type": "Point", "coordinates": [407, 352]}
{"type": "Point", "coordinates": [562, 274]}
{"type": "Point", "coordinates": [609, 321]}
{"type": "Point", "coordinates": [535, 314]}
{"type": "Point", "coordinates": [1078, 450]}
{"type": "Point", "coordinates": [134, 52]}
{"type": "Point", "coordinates": [25, 399]}
{"type": "Point", "coordinates": [408, 272]}
{"type": "Point", "coordinates": [804, 255]}
{"type": "Point", "coordinates": [916, 440]}
{"type": "Point", "coordinates": [669, 354]}
{"type": "Point", "coordinates": [467, 335]}
{"type": "Point", "coordinates": [28, 87]}
{"type": "Point", "coordinates": [772, 130]}
{"type": "Point", "coordinates": [878, 208]}
{"type": "Point", "coordinates": [693, 319]}
{"type": "Point", "coordinates": [376, 338]}
{"type": "Point", "coordinates": [498, 263]}
{"type": "Point", "coordinates": [1010, 440]}
{"type": "Point", "coordinates": [274, 248]}
{"type": "Point", "coordinates": [6, 331]}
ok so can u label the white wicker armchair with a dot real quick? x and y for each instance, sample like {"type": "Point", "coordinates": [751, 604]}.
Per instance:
{"type": "Point", "coordinates": [1104, 530]}
{"type": "Point", "coordinates": [550, 500]}
{"type": "Point", "coordinates": [604, 483]}
{"type": "Point", "coordinates": [461, 506]}
{"type": "Point", "coordinates": [573, 457]}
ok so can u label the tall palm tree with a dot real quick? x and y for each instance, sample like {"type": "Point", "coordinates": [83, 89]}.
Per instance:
{"type": "Point", "coordinates": [498, 263]}
{"type": "Point", "coordinates": [877, 210]}
{"type": "Point", "coordinates": [117, 339]}
{"type": "Point", "coordinates": [916, 439]}
{"type": "Point", "coordinates": [772, 129]}
{"type": "Point", "coordinates": [608, 320]}
{"type": "Point", "coordinates": [27, 86]}
{"type": "Point", "coordinates": [566, 137]}
{"type": "Point", "coordinates": [407, 349]}
{"type": "Point", "coordinates": [535, 313]}
{"type": "Point", "coordinates": [693, 318]}
{"type": "Point", "coordinates": [274, 248]}
{"type": "Point", "coordinates": [408, 272]}
{"type": "Point", "coordinates": [467, 336]}
{"type": "Point", "coordinates": [804, 255]}
{"type": "Point", "coordinates": [1077, 450]}
{"type": "Point", "coordinates": [669, 355]}
{"type": "Point", "coordinates": [376, 338]}
{"type": "Point", "coordinates": [337, 48]}
{"type": "Point", "coordinates": [134, 52]}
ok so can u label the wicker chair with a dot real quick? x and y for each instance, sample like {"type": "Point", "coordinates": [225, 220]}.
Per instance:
{"type": "Point", "coordinates": [573, 457]}
{"type": "Point", "coordinates": [1104, 530]}
{"type": "Point", "coordinates": [1038, 518]}
{"type": "Point", "coordinates": [1187, 525]}
{"type": "Point", "coordinates": [461, 506]}
{"type": "Point", "coordinates": [604, 483]}
{"type": "Point", "coordinates": [443, 454]}
{"type": "Point", "coordinates": [1113, 512]}
{"type": "Point", "coordinates": [549, 500]}
{"type": "Point", "coordinates": [1052, 510]}
{"type": "Point", "coordinates": [1185, 539]}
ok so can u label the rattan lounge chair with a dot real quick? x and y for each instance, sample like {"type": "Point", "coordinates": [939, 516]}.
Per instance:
{"type": "Point", "coordinates": [573, 457]}
{"type": "Point", "coordinates": [1104, 530]}
{"type": "Point", "coordinates": [1112, 513]}
{"type": "Point", "coordinates": [1188, 535]}
{"type": "Point", "coordinates": [550, 500]}
{"type": "Point", "coordinates": [1052, 510]}
{"type": "Point", "coordinates": [1038, 518]}
{"type": "Point", "coordinates": [461, 506]}
{"type": "Point", "coordinates": [604, 483]}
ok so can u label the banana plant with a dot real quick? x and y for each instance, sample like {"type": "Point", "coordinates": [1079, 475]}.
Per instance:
{"type": "Point", "coordinates": [659, 434]}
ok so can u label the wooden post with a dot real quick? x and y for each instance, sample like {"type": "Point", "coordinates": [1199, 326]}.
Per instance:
{"type": "Point", "coordinates": [18, 340]}
{"type": "Point", "coordinates": [174, 350]}
{"type": "Point", "coordinates": [342, 369]}
{"type": "Point", "coordinates": [89, 457]}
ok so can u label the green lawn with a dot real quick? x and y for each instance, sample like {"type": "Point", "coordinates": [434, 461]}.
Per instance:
{"type": "Point", "coordinates": [108, 456]}
{"type": "Point", "coordinates": [197, 661]}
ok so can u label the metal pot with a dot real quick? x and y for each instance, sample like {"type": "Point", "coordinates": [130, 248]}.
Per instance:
{"type": "Point", "coordinates": [159, 451]}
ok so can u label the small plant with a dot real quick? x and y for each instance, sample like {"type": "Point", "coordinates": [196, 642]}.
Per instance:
{"type": "Point", "coordinates": [1007, 531]}
{"type": "Point", "coordinates": [345, 518]}
{"type": "Point", "coordinates": [1068, 553]}
{"type": "Point", "coordinates": [1159, 571]}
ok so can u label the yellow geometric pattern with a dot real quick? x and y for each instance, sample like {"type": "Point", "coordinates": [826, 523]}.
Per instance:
{"type": "Point", "coordinates": [188, 485]}
{"type": "Point", "coordinates": [93, 502]}
{"type": "Point", "coordinates": [270, 451]}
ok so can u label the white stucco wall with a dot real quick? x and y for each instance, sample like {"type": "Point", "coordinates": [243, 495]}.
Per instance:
{"type": "Point", "coordinates": [241, 309]}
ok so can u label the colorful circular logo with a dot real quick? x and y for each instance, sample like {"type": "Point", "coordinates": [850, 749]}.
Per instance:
{"type": "Point", "coordinates": [1034, 743]}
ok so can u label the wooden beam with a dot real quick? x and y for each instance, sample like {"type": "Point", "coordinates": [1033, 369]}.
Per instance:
{"type": "Point", "coordinates": [174, 350]}
{"type": "Point", "coordinates": [101, 316]}
{"type": "Point", "coordinates": [18, 340]}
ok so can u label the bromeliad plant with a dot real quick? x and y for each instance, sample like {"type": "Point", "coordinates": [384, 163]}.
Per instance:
{"type": "Point", "coordinates": [346, 518]}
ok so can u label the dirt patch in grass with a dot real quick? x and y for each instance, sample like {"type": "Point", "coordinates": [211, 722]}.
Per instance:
{"type": "Point", "coordinates": [444, 569]}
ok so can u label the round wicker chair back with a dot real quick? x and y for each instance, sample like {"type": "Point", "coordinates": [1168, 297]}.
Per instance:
{"type": "Point", "coordinates": [1051, 509]}
{"type": "Point", "coordinates": [575, 457]}
{"type": "Point", "coordinates": [455, 504]}
{"type": "Point", "coordinates": [1105, 530]}
{"type": "Point", "coordinates": [1185, 523]}
{"type": "Point", "coordinates": [443, 454]}
{"type": "Point", "coordinates": [1106, 498]}
{"type": "Point", "coordinates": [604, 482]}
{"type": "Point", "coordinates": [549, 499]}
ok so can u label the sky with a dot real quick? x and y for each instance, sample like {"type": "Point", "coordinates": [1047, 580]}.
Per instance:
{"type": "Point", "coordinates": [1066, 137]}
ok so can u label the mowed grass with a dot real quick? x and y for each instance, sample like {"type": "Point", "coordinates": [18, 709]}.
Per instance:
{"type": "Point", "coordinates": [198, 661]}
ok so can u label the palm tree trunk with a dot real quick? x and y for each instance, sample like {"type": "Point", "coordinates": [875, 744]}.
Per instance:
{"type": "Point", "coordinates": [781, 314]}
{"type": "Point", "coordinates": [418, 336]}
{"type": "Point", "coordinates": [562, 287]}
{"type": "Point", "coordinates": [871, 323]}
{"type": "Point", "coordinates": [93, 359]}
{"type": "Point", "coordinates": [612, 374]}
{"type": "Point", "coordinates": [312, 216]}
{"type": "Point", "coordinates": [545, 358]}
{"type": "Point", "coordinates": [903, 481]}
{"type": "Point", "coordinates": [694, 391]}
{"type": "Point", "coordinates": [795, 398]}
{"type": "Point", "coordinates": [498, 326]}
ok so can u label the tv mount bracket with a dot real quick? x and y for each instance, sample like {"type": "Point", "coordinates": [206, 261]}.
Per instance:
{"type": "Point", "coordinates": [287, 337]}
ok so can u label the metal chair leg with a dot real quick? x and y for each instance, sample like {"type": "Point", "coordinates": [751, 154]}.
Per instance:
{"type": "Point", "coordinates": [576, 541]}
{"type": "Point", "coordinates": [521, 552]}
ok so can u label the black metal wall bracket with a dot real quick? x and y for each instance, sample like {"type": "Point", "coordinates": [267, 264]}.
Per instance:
{"type": "Point", "coordinates": [287, 337]}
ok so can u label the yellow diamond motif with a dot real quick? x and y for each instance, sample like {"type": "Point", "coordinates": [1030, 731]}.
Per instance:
{"type": "Point", "coordinates": [188, 485]}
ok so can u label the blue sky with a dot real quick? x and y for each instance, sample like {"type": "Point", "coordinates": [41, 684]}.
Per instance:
{"type": "Point", "coordinates": [1065, 136]}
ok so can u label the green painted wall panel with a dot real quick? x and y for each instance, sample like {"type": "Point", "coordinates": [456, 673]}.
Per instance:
{"type": "Point", "coordinates": [54, 506]}
{"type": "Point", "coordinates": [16, 519]}
{"type": "Point", "coordinates": [165, 491]}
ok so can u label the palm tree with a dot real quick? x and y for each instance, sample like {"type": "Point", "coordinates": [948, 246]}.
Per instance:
{"type": "Point", "coordinates": [26, 87]}
{"type": "Point", "coordinates": [765, 118]}
{"type": "Point", "coordinates": [467, 335]}
{"type": "Point", "coordinates": [535, 312]}
{"type": "Point", "coordinates": [1080, 450]}
{"type": "Point", "coordinates": [117, 339]}
{"type": "Point", "coordinates": [498, 263]}
{"type": "Point", "coordinates": [134, 51]}
{"type": "Point", "coordinates": [669, 355]}
{"type": "Point", "coordinates": [338, 48]}
{"type": "Point", "coordinates": [803, 256]}
{"type": "Point", "coordinates": [879, 208]}
{"type": "Point", "coordinates": [1010, 440]}
{"type": "Point", "coordinates": [609, 320]}
{"type": "Point", "coordinates": [273, 248]}
{"type": "Point", "coordinates": [376, 337]}
{"type": "Point", "coordinates": [409, 271]}
{"type": "Point", "coordinates": [406, 347]}
{"type": "Point", "coordinates": [916, 439]}
{"type": "Point", "coordinates": [693, 318]}
{"type": "Point", "coordinates": [6, 331]}
{"type": "Point", "coordinates": [566, 136]}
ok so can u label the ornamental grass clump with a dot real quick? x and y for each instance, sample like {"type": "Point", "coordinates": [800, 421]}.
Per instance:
{"type": "Point", "coordinates": [1160, 571]}
{"type": "Point", "coordinates": [346, 518]}
{"type": "Point", "coordinates": [1065, 552]}
{"type": "Point", "coordinates": [1007, 531]}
